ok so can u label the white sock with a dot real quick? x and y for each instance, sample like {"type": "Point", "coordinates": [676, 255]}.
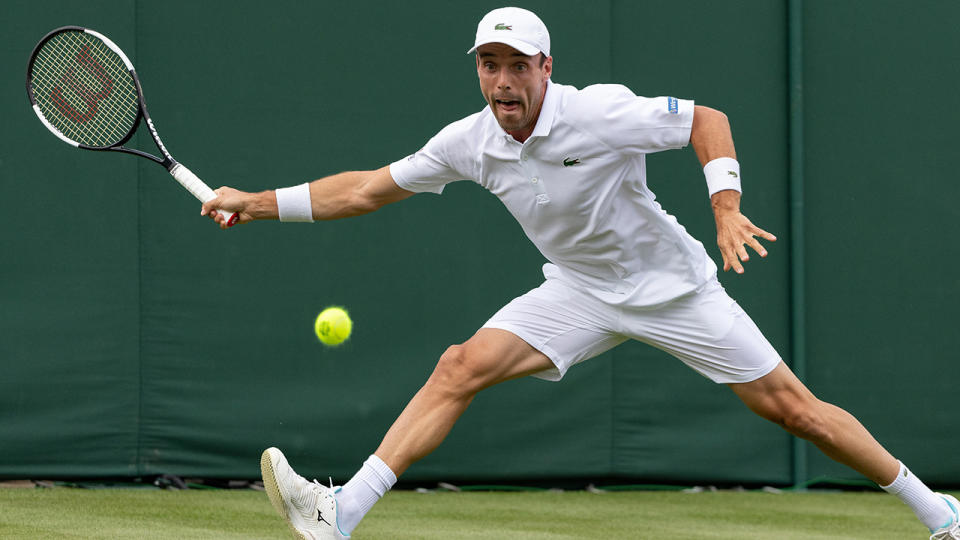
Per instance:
{"type": "Point", "coordinates": [358, 496]}
{"type": "Point", "coordinates": [931, 508]}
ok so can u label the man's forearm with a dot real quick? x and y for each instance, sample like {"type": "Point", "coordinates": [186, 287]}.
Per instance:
{"type": "Point", "coordinates": [710, 135]}
{"type": "Point", "coordinates": [331, 197]}
{"type": "Point", "coordinates": [341, 195]}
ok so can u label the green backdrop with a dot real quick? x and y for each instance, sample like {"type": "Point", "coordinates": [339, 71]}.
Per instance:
{"type": "Point", "coordinates": [137, 339]}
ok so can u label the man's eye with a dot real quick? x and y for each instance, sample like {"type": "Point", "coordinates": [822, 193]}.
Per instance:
{"type": "Point", "coordinates": [521, 67]}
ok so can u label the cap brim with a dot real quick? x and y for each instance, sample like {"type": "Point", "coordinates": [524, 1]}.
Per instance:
{"type": "Point", "coordinates": [521, 46]}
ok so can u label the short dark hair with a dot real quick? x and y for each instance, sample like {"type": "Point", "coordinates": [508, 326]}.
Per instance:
{"type": "Point", "coordinates": [543, 57]}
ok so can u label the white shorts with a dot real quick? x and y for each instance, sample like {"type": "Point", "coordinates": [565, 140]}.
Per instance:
{"type": "Point", "coordinates": [705, 329]}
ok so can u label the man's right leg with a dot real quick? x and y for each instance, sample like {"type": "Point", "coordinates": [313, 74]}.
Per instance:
{"type": "Point", "coordinates": [564, 327]}
{"type": "Point", "coordinates": [489, 357]}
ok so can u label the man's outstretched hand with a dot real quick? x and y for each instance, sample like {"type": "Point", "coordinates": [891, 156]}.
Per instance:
{"type": "Point", "coordinates": [735, 231]}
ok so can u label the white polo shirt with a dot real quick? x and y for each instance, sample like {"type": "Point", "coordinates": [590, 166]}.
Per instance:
{"type": "Point", "coordinates": [578, 187]}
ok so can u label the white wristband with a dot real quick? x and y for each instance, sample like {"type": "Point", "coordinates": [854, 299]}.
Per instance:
{"type": "Point", "coordinates": [722, 173]}
{"type": "Point", "coordinates": [293, 203]}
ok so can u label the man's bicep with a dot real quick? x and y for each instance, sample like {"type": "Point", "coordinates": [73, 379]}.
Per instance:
{"type": "Point", "coordinates": [382, 189]}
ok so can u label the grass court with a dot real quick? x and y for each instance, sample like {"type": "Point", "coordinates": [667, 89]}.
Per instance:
{"type": "Point", "coordinates": [212, 514]}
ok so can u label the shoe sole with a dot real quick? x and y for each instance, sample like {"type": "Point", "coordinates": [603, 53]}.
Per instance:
{"type": "Point", "coordinates": [273, 492]}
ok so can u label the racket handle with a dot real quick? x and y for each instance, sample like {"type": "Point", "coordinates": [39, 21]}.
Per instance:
{"type": "Point", "coordinates": [200, 190]}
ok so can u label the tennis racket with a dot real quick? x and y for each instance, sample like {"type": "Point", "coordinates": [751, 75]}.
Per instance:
{"type": "Point", "coordinates": [85, 90]}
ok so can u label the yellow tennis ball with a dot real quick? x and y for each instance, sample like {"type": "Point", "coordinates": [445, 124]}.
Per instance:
{"type": "Point", "coordinates": [333, 326]}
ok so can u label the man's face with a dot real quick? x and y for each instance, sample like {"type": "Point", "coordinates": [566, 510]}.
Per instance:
{"type": "Point", "coordinates": [514, 85]}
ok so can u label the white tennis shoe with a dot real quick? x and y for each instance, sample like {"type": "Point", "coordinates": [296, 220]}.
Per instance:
{"type": "Point", "coordinates": [951, 531]}
{"type": "Point", "coordinates": [308, 507]}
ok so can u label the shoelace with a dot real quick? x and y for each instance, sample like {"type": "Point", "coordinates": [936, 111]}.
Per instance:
{"type": "Point", "coordinates": [323, 486]}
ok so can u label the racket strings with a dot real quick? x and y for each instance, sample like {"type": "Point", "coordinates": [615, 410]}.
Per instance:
{"type": "Point", "coordinates": [92, 74]}
{"type": "Point", "coordinates": [84, 89]}
{"type": "Point", "coordinates": [79, 86]}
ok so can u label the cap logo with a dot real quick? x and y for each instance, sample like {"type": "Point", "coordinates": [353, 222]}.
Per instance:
{"type": "Point", "coordinates": [501, 26]}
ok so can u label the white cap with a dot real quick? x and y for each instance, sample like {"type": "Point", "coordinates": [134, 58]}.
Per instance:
{"type": "Point", "coordinates": [516, 27]}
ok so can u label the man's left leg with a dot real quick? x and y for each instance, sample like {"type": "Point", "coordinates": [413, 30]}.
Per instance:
{"type": "Point", "coordinates": [781, 398]}
{"type": "Point", "coordinates": [709, 332]}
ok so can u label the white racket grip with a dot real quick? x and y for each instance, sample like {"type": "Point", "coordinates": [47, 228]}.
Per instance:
{"type": "Point", "coordinates": [199, 190]}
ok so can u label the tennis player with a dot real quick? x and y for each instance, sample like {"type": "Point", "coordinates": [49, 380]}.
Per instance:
{"type": "Point", "coordinates": [569, 165]}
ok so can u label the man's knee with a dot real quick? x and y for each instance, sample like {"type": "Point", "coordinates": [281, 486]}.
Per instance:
{"type": "Point", "coordinates": [458, 372]}
{"type": "Point", "coordinates": [781, 398]}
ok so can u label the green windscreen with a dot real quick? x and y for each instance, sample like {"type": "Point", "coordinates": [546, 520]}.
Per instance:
{"type": "Point", "coordinates": [138, 339]}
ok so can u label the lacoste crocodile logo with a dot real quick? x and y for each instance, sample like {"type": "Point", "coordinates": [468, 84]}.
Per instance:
{"type": "Point", "coordinates": [570, 162]}
{"type": "Point", "coordinates": [502, 26]}
{"type": "Point", "coordinates": [733, 174]}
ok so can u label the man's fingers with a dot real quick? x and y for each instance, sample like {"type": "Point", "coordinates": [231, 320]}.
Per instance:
{"type": "Point", "coordinates": [735, 253]}
{"type": "Point", "coordinates": [763, 234]}
{"type": "Point", "coordinates": [756, 246]}
{"type": "Point", "coordinates": [735, 235]}
{"type": "Point", "coordinates": [221, 221]}
{"type": "Point", "coordinates": [208, 208]}
{"type": "Point", "coordinates": [731, 260]}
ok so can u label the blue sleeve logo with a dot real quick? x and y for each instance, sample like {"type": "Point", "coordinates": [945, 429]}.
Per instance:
{"type": "Point", "coordinates": [673, 105]}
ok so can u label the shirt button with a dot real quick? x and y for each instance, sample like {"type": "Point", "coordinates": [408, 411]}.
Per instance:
{"type": "Point", "coordinates": [523, 157]}
{"type": "Point", "coordinates": [535, 180]}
